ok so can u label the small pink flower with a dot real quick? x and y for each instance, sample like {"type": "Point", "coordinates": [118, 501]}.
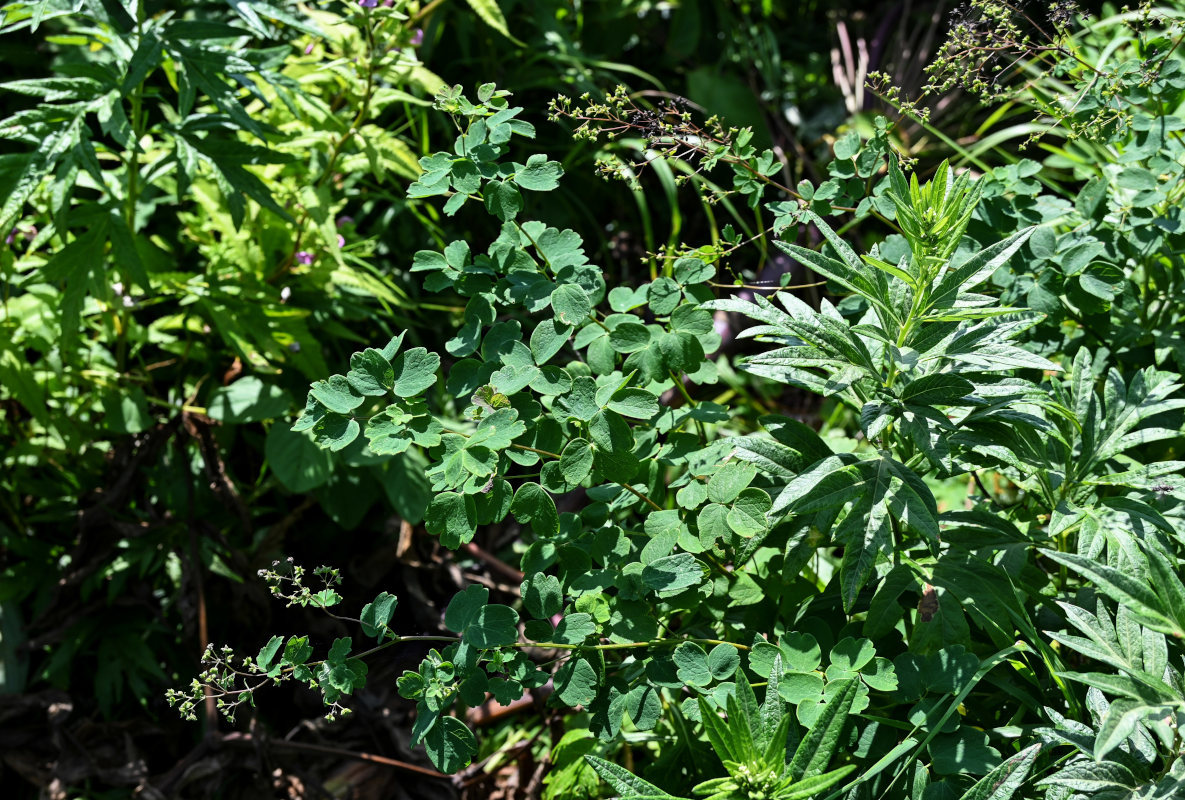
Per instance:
{"type": "Point", "coordinates": [341, 241]}
{"type": "Point", "coordinates": [10, 237]}
{"type": "Point", "coordinates": [308, 50]}
{"type": "Point", "coordinates": [304, 257]}
{"type": "Point", "coordinates": [417, 38]}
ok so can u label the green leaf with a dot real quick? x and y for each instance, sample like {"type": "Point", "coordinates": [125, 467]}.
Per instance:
{"type": "Point", "coordinates": [712, 522]}
{"type": "Point", "coordinates": [248, 400]}
{"type": "Point", "coordinates": [450, 745]}
{"type": "Point", "coordinates": [295, 460]}
{"type": "Point", "coordinates": [548, 338]}
{"type": "Point", "coordinates": [492, 15]}
{"type": "Point", "coordinates": [629, 337]}
{"type": "Point", "coordinates": [414, 371]}
{"type": "Point", "coordinates": [1120, 722]}
{"type": "Point", "coordinates": [464, 607]}
{"type": "Point", "coordinates": [723, 661]}
{"type": "Point", "coordinates": [538, 174]}
{"type": "Point", "coordinates": [452, 517]}
{"type": "Point", "coordinates": [334, 432]}
{"type": "Point", "coordinates": [371, 374]}
{"type": "Point", "coordinates": [493, 626]}
{"type": "Point", "coordinates": [503, 200]}
{"type": "Point", "coordinates": [628, 785]}
{"type": "Point", "coordinates": [376, 614]}
{"type": "Point", "coordinates": [664, 295]}
{"type": "Point", "coordinates": [532, 504]}
{"type": "Point", "coordinates": [336, 394]}
{"type": "Point", "coordinates": [1090, 777]}
{"type": "Point", "coordinates": [821, 741]}
{"type": "Point", "coordinates": [748, 514]}
{"type": "Point", "coordinates": [1124, 589]}
{"type": "Point", "coordinates": [852, 654]}
{"type": "Point", "coordinates": [977, 269]}
{"type": "Point", "coordinates": [571, 304]}
{"type": "Point", "coordinates": [636, 403]}
{"type": "Point", "coordinates": [674, 573]}
{"type": "Point", "coordinates": [814, 785]}
{"type": "Point", "coordinates": [644, 707]}
{"type": "Point", "coordinates": [692, 270]}
{"type": "Point", "coordinates": [575, 628]}
{"type": "Point", "coordinates": [942, 389]}
{"type": "Point", "coordinates": [772, 710]}
{"type": "Point", "coordinates": [339, 651]}
{"type": "Point", "coordinates": [582, 402]}
{"type": "Point", "coordinates": [728, 481]}
{"type": "Point", "coordinates": [691, 663]}
{"type": "Point", "coordinates": [576, 461]}
{"type": "Point", "coordinates": [614, 441]}
{"type": "Point", "coordinates": [576, 682]}
{"type": "Point", "coordinates": [297, 651]}
{"type": "Point", "coordinates": [268, 652]}
{"type": "Point", "coordinates": [1003, 781]}
{"type": "Point", "coordinates": [964, 751]}
{"type": "Point", "coordinates": [542, 595]}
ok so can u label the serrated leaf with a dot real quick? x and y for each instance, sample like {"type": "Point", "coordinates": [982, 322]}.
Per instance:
{"type": "Point", "coordinates": [821, 741]}
{"type": "Point", "coordinates": [1090, 776]}
{"type": "Point", "coordinates": [628, 785]}
{"type": "Point", "coordinates": [941, 389]}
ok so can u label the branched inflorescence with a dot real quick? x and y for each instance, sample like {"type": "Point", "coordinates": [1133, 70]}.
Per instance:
{"type": "Point", "coordinates": [997, 50]}
{"type": "Point", "coordinates": [668, 131]}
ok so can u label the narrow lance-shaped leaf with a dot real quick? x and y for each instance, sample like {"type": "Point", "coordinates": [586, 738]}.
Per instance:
{"type": "Point", "coordinates": [821, 742]}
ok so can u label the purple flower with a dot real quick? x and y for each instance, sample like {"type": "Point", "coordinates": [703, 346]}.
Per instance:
{"type": "Point", "coordinates": [342, 221]}
{"type": "Point", "coordinates": [308, 50]}
{"type": "Point", "coordinates": [341, 241]}
{"type": "Point", "coordinates": [368, 3]}
{"type": "Point", "coordinates": [304, 257]}
{"type": "Point", "coordinates": [10, 237]}
{"type": "Point", "coordinates": [417, 38]}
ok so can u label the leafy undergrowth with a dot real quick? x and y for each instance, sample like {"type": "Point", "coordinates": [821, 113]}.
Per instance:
{"type": "Point", "coordinates": [667, 526]}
